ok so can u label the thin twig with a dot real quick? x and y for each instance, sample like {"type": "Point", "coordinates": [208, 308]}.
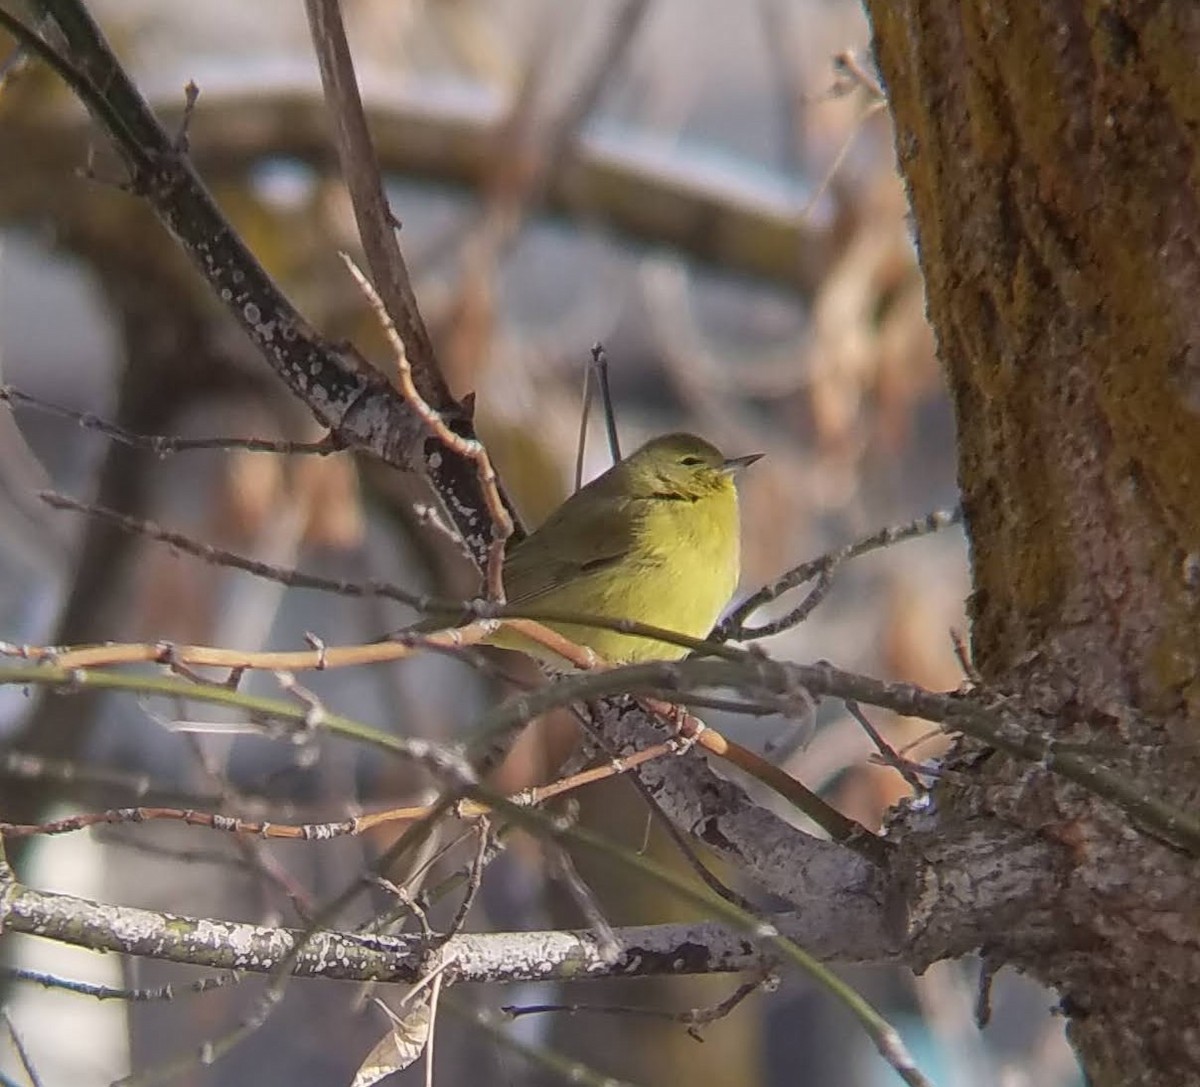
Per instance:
{"type": "Point", "coordinates": [19, 1045]}
{"type": "Point", "coordinates": [988, 968]}
{"type": "Point", "coordinates": [435, 996]}
{"type": "Point", "coordinates": [823, 568]}
{"type": "Point", "coordinates": [162, 445]}
{"type": "Point", "coordinates": [538, 1055]}
{"type": "Point", "coordinates": [585, 410]}
{"type": "Point", "coordinates": [408, 901]}
{"type": "Point", "coordinates": [847, 64]}
{"type": "Point", "coordinates": [692, 1018]}
{"type": "Point", "coordinates": [565, 872]}
{"type": "Point", "coordinates": [673, 832]}
{"type": "Point", "coordinates": [474, 879]}
{"type": "Point", "coordinates": [840, 157]}
{"type": "Point", "coordinates": [902, 766]}
{"type": "Point", "coordinates": [324, 831]}
{"type": "Point", "coordinates": [471, 448]}
{"type": "Point", "coordinates": [133, 996]}
{"type": "Point", "coordinates": [220, 557]}
{"type": "Point", "coordinates": [600, 362]}
{"type": "Point", "coordinates": [962, 653]}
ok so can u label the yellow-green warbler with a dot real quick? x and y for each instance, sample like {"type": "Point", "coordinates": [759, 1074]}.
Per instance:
{"type": "Point", "coordinates": [655, 539]}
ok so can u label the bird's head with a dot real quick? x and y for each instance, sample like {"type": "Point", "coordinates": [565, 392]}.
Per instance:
{"type": "Point", "coordinates": [682, 466]}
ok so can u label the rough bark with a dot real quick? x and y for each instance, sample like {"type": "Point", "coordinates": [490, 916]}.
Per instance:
{"type": "Point", "coordinates": [1052, 156]}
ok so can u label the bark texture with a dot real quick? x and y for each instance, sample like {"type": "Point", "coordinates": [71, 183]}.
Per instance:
{"type": "Point", "coordinates": [1052, 156]}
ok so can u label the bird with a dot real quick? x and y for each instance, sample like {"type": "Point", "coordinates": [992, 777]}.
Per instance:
{"type": "Point", "coordinates": [654, 539]}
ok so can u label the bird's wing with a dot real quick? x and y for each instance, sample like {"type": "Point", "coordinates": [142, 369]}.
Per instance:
{"type": "Point", "coordinates": [575, 543]}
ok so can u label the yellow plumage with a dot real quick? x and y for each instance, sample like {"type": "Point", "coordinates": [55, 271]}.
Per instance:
{"type": "Point", "coordinates": [654, 539]}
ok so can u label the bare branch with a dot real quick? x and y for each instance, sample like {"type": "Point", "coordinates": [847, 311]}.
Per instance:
{"type": "Point", "coordinates": [652, 950]}
{"type": "Point", "coordinates": [162, 445]}
{"type": "Point", "coordinates": [376, 224]}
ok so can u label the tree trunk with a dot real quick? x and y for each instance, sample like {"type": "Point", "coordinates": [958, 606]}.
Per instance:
{"type": "Point", "coordinates": [1052, 156]}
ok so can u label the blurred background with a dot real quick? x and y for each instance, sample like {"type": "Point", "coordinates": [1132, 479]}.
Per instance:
{"type": "Point", "coordinates": [709, 190]}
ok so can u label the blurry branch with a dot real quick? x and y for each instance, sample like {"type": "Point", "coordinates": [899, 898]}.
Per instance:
{"type": "Point", "coordinates": [541, 1056]}
{"type": "Point", "coordinates": [643, 190]}
{"type": "Point", "coordinates": [89, 783]}
{"type": "Point", "coordinates": [295, 717]}
{"type": "Point", "coordinates": [715, 392]}
{"type": "Point", "coordinates": [564, 130]}
{"type": "Point", "coordinates": [162, 445]}
{"type": "Point", "coordinates": [528, 151]}
{"type": "Point", "coordinates": [822, 569]}
{"type": "Point", "coordinates": [326, 831]}
{"type": "Point", "coordinates": [786, 66]}
{"type": "Point", "coordinates": [167, 992]}
{"type": "Point", "coordinates": [24, 530]}
{"type": "Point", "coordinates": [528, 148]}
{"type": "Point", "coordinates": [22, 766]}
{"type": "Point", "coordinates": [18, 1044]}
{"type": "Point", "coordinates": [222, 557]}
{"type": "Point", "coordinates": [694, 1018]}
{"type": "Point", "coordinates": [359, 407]}
{"type": "Point", "coordinates": [562, 871]}
{"type": "Point", "coordinates": [376, 224]}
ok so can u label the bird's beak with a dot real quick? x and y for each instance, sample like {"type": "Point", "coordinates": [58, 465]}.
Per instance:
{"type": "Point", "coordinates": [735, 464]}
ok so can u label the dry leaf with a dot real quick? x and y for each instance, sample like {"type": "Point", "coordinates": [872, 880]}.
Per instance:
{"type": "Point", "coordinates": [399, 1047]}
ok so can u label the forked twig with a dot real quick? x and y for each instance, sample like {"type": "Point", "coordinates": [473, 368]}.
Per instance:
{"type": "Point", "coordinates": [471, 448]}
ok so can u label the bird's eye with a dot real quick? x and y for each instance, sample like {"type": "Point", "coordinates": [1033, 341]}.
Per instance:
{"type": "Point", "coordinates": [691, 461]}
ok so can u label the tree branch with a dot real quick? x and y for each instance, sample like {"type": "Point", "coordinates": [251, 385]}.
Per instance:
{"type": "Point", "coordinates": [376, 224]}
{"type": "Point", "coordinates": [343, 392]}
{"type": "Point", "coordinates": [643, 951]}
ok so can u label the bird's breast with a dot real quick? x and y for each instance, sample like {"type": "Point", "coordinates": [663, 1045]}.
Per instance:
{"type": "Point", "coordinates": [695, 545]}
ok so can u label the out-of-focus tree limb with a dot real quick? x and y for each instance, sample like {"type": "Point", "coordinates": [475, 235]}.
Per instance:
{"type": "Point", "coordinates": [643, 191]}
{"type": "Point", "coordinates": [376, 225]}
{"type": "Point", "coordinates": [342, 391]}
